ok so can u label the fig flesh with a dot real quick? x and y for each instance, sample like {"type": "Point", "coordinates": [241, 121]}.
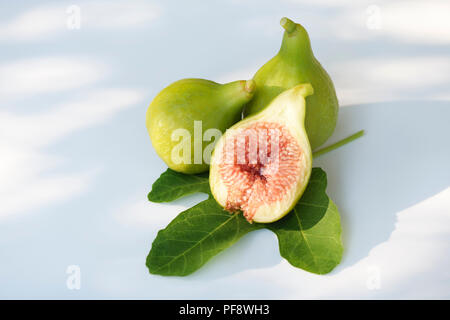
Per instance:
{"type": "Point", "coordinates": [294, 64]}
{"type": "Point", "coordinates": [262, 164]}
{"type": "Point", "coordinates": [179, 117]}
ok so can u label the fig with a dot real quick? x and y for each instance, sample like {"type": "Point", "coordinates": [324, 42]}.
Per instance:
{"type": "Point", "coordinates": [181, 112]}
{"type": "Point", "coordinates": [262, 164]}
{"type": "Point", "coordinates": [294, 64]}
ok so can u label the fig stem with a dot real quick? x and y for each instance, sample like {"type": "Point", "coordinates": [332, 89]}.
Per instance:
{"type": "Point", "coordinates": [338, 144]}
{"type": "Point", "coordinates": [250, 86]}
{"type": "Point", "coordinates": [288, 24]}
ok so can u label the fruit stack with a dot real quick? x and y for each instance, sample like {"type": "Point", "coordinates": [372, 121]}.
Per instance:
{"type": "Point", "coordinates": [255, 137]}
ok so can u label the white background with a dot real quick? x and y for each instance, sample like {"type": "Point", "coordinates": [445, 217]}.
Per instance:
{"type": "Point", "coordinates": [76, 162]}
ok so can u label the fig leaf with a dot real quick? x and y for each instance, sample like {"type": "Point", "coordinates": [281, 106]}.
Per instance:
{"type": "Point", "coordinates": [172, 185]}
{"type": "Point", "coordinates": [194, 237]}
{"type": "Point", "coordinates": [309, 236]}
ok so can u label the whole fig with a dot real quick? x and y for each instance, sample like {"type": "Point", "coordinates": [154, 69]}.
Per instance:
{"type": "Point", "coordinates": [294, 64]}
{"type": "Point", "coordinates": [186, 116]}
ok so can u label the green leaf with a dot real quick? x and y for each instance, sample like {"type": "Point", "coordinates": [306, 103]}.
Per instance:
{"type": "Point", "coordinates": [172, 185]}
{"type": "Point", "coordinates": [310, 235]}
{"type": "Point", "coordinates": [194, 237]}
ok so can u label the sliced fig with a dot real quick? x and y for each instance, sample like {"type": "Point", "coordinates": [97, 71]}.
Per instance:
{"type": "Point", "coordinates": [262, 164]}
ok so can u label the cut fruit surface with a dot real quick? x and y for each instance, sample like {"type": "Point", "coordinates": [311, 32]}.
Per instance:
{"type": "Point", "coordinates": [260, 178]}
{"type": "Point", "coordinates": [262, 164]}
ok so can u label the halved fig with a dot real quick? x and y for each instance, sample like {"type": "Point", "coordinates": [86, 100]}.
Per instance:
{"type": "Point", "coordinates": [262, 164]}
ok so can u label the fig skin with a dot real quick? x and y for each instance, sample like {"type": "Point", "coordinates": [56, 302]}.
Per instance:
{"type": "Point", "coordinates": [294, 64]}
{"type": "Point", "coordinates": [217, 106]}
{"type": "Point", "coordinates": [287, 109]}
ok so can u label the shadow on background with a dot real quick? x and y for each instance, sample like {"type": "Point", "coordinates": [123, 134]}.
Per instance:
{"type": "Point", "coordinates": [401, 161]}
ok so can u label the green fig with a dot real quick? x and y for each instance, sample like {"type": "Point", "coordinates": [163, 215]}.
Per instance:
{"type": "Point", "coordinates": [185, 116]}
{"type": "Point", "coordinates": [295, 63]}
{"type": "Point", "coordinates": [262, 164]}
